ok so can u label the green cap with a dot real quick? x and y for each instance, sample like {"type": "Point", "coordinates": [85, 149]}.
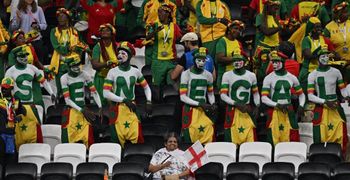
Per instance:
{"type": "Point", "coordinates": [72, 60]}
{"type": "Point", "coordinates": [201, 52]}
{"type": "Point", "coordinates": [20, 52]}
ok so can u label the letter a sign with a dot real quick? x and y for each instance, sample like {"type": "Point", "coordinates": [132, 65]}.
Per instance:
{"type": "Point", "coordinates": [196, 156]}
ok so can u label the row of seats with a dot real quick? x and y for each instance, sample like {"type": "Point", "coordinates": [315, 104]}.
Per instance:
{"type": "Point", "coordinates": [210, 171]}
{"type": "Point", "coordinates": [221, 152]}
{"type": "Point", "coordinates": [273, 171]}
{"type": "Point", "coordinates": [65, 171]}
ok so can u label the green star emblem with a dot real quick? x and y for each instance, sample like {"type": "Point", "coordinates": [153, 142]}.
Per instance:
{"type": "Point", "coordinates": [281, 127]}
{"type": "Point", "coordinates": [241, 129]}
{"type": "Point", "coordinates": [126, 124]}
{"type": "Point", "coordinates": [201, 128]}
{"type": "Point", "coordinates": [78, 126]}
{"type": "Point", "coordinates": [23, 127]}
{"type": "Point", "coordinates": [330, 126]}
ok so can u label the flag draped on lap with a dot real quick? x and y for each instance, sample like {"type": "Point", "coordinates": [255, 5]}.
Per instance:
{"type": "Point", "coordinates": [196, 125]}
{"type": "Point", "coordinates": [329, 125]}
{"type": "Point", "coordinates": [239, 127]}
{"type": "Point", "coordinates": [75, 128]}
{"type": "Point", "coordinates": [28, 130]}
{"type": "Point", "coordinates": [196, 156]}
{"type": "Point", "coordinates": [124, 125]}
{"type": "Point", "coordinates": [282, 127]}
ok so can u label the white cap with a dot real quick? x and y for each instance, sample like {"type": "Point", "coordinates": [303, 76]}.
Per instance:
{"type": "Point", "coordinates": [191, 36]}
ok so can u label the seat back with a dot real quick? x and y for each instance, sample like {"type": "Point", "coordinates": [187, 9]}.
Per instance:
{"type": "Point", "coordinates": [342, 171]}
{"type": "Point", "coordinates": [221, 152]}
{"type": "Point", "coordinates": [306, 134]}
{"type": "Point", "coordinates": [278, 170]}
{"type": "Point", "coordinates": [293, 152]}
{"type": "Point", "coordinates": [56, 171]}
{"type": "Point", "coordinates": [73, 153]}
{"type": "Point", "coordinates": [314, 171]}
{"type": "Point", "coordinates": [139, 58]}
{"type": "Point", "coordinates": [36, 153]}
{"type": "Point", "coordinates": [51, 135]}
{"type": "Point", "coordinates": [138, 153]}
{"type": "Point", "coordinates": [242, 171]}
{"type": "Point", "coordinates": [54, 114]}
{"type": "Point", "coordinates": [22, 171]}
{"type": "Point", "coordinates": [109, 153]}
{"type": "Point", "coordinates": [211, 170]}
{"type": "Point", "coordinates": [259, 152]}
{"type": "Point", "coordinates": [91, 171]}
{"type": "Point", "coordinates": [127, 170]}
{"type": "Point", "coordinates": [329, 153]}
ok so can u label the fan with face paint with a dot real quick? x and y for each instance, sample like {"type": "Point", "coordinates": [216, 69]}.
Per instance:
{"type": "Point", "coordinates": [73, 63]}
{"type": "Point", "coordinates": [21, 55]}
{"type": "Point", "coordinates": [125, 52]}
{"type": "Point", "coordinates": [323, 56]}
{"type": "Point", "coordinates": [200, 58]}
{"type": "Point", "coordinates": [238, 60]}
{"type": "Point", "coordinates": [277, 59]}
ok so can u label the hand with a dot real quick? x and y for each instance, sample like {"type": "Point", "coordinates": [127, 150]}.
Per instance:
{"type": "Point", "coordinates": [300, 111]}
{"type": "Point", "coordinates": [282, 107]}
{"type": "Point", "coordinates": [149, 108]}
{"type": "Point", "coordinates": [21, 110]}
{"type": "Point", "coordinates": [89, 115]}
{"type": "Point", "coordinates": [242, 107]}
{"type": "Point", "coordinates": [332, 104]}
{"type": "Point", "coordinates": [18, 14]}
{"type": "Point", "coordinates": [166, 164]}
{"type": "Point", "coordinates": [18, 118]}
{"type": "Point", "coordinates": [223, 21]}
{"type": "Point", "coordinates": [130, 105]}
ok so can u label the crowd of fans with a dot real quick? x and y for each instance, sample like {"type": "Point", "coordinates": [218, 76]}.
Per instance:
{"type": "Point", "coordinates": [263, 58]}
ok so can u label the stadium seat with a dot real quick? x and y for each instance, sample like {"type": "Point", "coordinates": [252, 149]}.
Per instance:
{"type": "Point", "coordinates": [138, 153]}
{"type": "Point", "coordinates": [109, 153]}
{"type": "Point", "coordinates": [139, 58]}
{"type": "Point", "coordinates": [54, 114]}
{"type": "Point", "coordinates": [56, 171]}
{"type": "Point", "coordinates": [36, 153]}
{"type": "Point", "coordinates": [127, 170]}
{"type": "Point", "coordinates": [293, 152]}
{"type": "Point", "coordinates": [40, 110]}
{"type": "Point", "coordinates": [147, 73]}
{"type": "Point", "coordinates": [278, 170]}
{"type": "Point", "coordinates": [211, 170]}
{"type": "Point", "coordinates": [221, 152]}
{"type": "Point", "coordinates": [314, 171]}
{"type": "Point", "coordinates": [329, 153]}
{"type": "Point", "coordinates": [184, 146]}
{"type": "Point", "coordinates": [170, 94]}
{"type": "Point", "coordinates": [259, 152]}
{"type": "Point", "coordinates": [73, 153]}
{"type": "Point", "coordinates": [153, 138]}
{"type": "Point", "coordinates": [342, 171]}
{"type": "Point", "coordinates": [242, 171]}
{"type": "Point", "coordinates": [306, 134]}
{"type": "Point", "coordinates": [51, 135]}
{"type": "Point", "coordinates": [163, 115]}
{"type": "Point", "coordinates": [21, 171]}
{"type": "Point", "coordinates": [91, 171]}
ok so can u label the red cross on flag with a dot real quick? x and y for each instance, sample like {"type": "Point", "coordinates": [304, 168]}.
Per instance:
{"type": "Point", "coordinates": [196, 156]}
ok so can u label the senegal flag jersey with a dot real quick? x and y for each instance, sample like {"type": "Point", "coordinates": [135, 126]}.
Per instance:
{"type": "Point", "coordinates": [312, 44]}
{"type": "Point", "coordinates": [339, 35]}
{"type": "Point", "coordinates": [226, 46]}
{"type": "Point", "coordinates": [239, 127]}
{"type": "Point", "coordinates": [196, 125]}
{"type": "Point", "coordinates": [328, 124]}
{"type": "Point", "coordinates": [24, 78]}
{"type": "Point", "coordinates": [272, 40]}
{"type": "Point", "coordinates": [124, 124]}
{"type": "Point", "coordinates": [75, 128]}
{"type": "Point", "coordinates": [97, 55]}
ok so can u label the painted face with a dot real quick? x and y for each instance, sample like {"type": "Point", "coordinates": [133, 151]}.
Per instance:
{"type": "Point", "coordinates": [200, 63]}
{"type": "Point", "coordinates": [323, 59]}
{"type": "Point", "coordinates": [238, 64]}
{"type": "Point", "coordinates": [75, 68]}
{"type": "Point", "coordinates": [123, 56]}
{"type": "Point", "coordinates": [171, 144]}
{"type": "Point", "coordinates": [22, 59]}
{"type": "Point", "coordinates": [277, 65]}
